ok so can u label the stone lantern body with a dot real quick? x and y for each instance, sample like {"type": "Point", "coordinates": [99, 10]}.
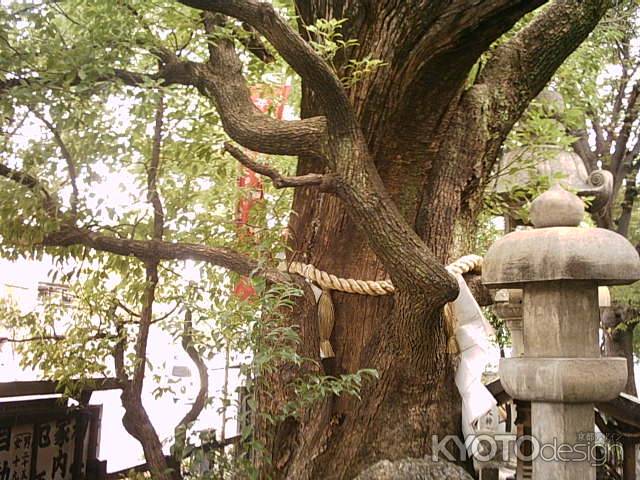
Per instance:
{"type": "Point", "coordinates": [559, 267]}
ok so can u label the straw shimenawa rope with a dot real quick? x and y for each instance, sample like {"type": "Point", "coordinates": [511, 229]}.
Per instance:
{"type": "Point", "coordinates": [328, 282]}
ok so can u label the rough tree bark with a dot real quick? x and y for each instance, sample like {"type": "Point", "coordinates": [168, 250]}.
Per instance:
{"type": "Point", "coordinates": [619, 325]}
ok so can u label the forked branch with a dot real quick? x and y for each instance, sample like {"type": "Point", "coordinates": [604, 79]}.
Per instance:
{"type": "Point", "coordinates": [311, 67]}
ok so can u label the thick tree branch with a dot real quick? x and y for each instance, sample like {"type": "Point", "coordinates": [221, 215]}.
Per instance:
{"type": "Point", "coordinates": [149, 250]}
{"type": "Point", "coordinates": [203, 392]}
{"type": "Point", "coordinates": [245, 123]}
{"type": "Point", "coordinates": [583, 149]}
{"type": "Point", "coordinates": [279, 180]}
{"type": "Point", "coordinates": [311, 67]}
{"type": "Point", "coordinates": [521, 67]}
{"type": "Point", "coordinates": [145, 250]}
{"type": "Point", "coordinates": [221, 80]}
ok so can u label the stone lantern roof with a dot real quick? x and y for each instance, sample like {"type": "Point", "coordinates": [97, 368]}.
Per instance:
{"type": "Point", "coordinates": [558, 250]}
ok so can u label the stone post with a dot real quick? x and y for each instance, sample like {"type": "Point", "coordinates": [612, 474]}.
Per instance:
{"type": "Point", "coordinates": [559, 268]}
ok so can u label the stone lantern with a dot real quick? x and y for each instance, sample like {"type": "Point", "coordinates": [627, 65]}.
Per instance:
{"type": "Point", "coordinates": [559, 267]}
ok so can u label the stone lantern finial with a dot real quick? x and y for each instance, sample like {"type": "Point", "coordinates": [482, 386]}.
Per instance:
{"type": "Point", "coordinates": [556, 208]}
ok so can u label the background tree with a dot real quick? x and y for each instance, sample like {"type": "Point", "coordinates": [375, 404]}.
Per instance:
{"type": "Point", "coordinates": [404, 108]}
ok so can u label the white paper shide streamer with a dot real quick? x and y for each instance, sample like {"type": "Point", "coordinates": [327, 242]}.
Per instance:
{"type": "Point", "coordinates": [472, 335]}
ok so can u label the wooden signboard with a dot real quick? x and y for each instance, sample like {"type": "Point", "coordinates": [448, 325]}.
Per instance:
{"type": "Point", "coordinates": [42, 440]}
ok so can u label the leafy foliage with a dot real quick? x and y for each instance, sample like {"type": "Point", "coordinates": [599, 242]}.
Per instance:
{"type": "Point", "coordinates": [329, 42]}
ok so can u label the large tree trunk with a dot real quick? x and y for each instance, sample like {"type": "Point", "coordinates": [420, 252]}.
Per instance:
{"type": "Point", "coordinates": [433, 142]}
{"type": "Point", "coordinates": [401, 336]}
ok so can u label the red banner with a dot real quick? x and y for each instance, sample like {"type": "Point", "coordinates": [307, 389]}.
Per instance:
{"type": "Point", "coordinates": [266, 98]}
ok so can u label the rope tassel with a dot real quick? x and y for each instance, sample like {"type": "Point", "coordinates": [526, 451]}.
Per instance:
{"type": "Point", "coordinates": [326, 319]}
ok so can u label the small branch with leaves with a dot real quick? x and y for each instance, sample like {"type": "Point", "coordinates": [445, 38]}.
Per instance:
{"type": "Point", "coordinates": [68, 158]}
